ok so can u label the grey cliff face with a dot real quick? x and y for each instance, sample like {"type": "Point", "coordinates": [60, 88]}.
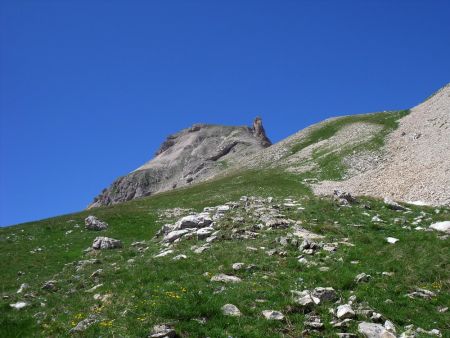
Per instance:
{"type": "Point", "coordinates": [189, 156]}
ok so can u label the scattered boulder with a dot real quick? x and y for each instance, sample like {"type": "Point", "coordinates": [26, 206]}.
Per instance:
{"type": "Point", "coordinates": [174, 235]}
{"type": "Point", "coordinates": [325, 294]}
{"type": "Point", "coordinates": [19, 305]}
{"type": "Point", "coordinates": [272, 315]}
{"type": "Point", "coordinates": [344, 197]}
{"type": "Point", "coordinates": [371, 330]}
{"type": "Point", "coordinates": [362, 278]}
{"type": "Point", "coordinates": [106, 243]}
{"type": "Point", "coordinates": [194, 221]}
{"type": "Point", "coordinates": [163, 253]}
{"type": "Point", "coordinates": [204, 233]}
{"type": "Point", "coordinates": [23, 287]}
{"type": "Point", "coordinates": [96, 273]}
{"type": "Point", "coordinates": [238, 266]}
{"type": "Point", "coordinates": [93, 223]}
{"type": "Point", "coordinates": [231, 310]}
{"type": "Point", "coordinates": [345, 311]}
{"type": "Point", "coordinates": [225, 278]}
{"type": "Point", "coordinates": [305, 298]}
{"type": "Point", "coordinates": [83, 263]}
{"type": "Point", "coordinates": [162, 331]}
{"type": "Point", "coordinates": [392, 240]}
{"type": "Point", "coordinates": [201, 249]}
{"type": "Point", "coordinates": [84, 324]}
{"type": "Point", "coordinates": [441, 226]}
{"type": "Point", "coordinates": [394, 205]}
{"type": "Point", "coordinates": [49, 285]}
{"type": "Point", "coordinates": [422, 293]}
{"type": "Point", "coordinates": [313, 322]}
{"type": "Point", "coordinates": [179, 257]}
{"type": "Point", "coordinates": [388, 325]}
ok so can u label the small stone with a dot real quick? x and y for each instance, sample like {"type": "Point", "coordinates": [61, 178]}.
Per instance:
{"type": "Point", "coordinates": [324, 294]}
{"type": "Point", "coordinates": [376, 219]}
{"type": "Point", "coordinates": [163, 253]}
{"type": "Point", "coordinates": [23, 287]}
{"type": "Point", "coordinates": [225, 278]}
{"type": "Point", "coordinates": [19, 305]}
{"type": "Point", "coordinates": [49, 285]}
{"type": "Point", "coordinates": [94, 288]}
{"type": "Point", "coordinates": [84, 324]}
{"type": "Point", "coordinates": [313, 322]}
{"type": "Point", "coordinates": [179, 257]}
{"type": "Point", "coordinates": [272, 315]}
{"type": "Point", "coordinates": [362, 278]}
{"type": "Point", "coordinates": [392, 240]}
{"type": "Point", "coordinates": [96, 273]}
{"type": "Point", "coordinates": [388, 325]}
{"type": "Point", "coordinates": [303, 261]}
{"type": "Point", "coordinates": [231, 310]}
{"type": "Point", "coordinates": [442, 309]}
{"type": "Point", "coordinates": [201, 249]}
{"type": "Point", "coordinates": [223, 208]}
{"type": "Point", "coordinates": [238, 266]}
{"type": "Point", "coordinates": [422, 293]}
{"type": "Point", "coordinates": [393, 205]}
{"type": "Point", "coordinates": [345, 311]}
{"type": "Point", "coordinates": [376, 317]}
{"type": "Point", "coordinates": [305, 298]}
{"type": "Point", "coordinates": [162, 331]}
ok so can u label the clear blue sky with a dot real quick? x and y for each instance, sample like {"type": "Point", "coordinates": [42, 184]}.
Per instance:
{"type": "Point", "coordinates": [89, 89]}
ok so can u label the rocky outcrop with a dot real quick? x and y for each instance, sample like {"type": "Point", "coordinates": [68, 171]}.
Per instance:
{"type": "Point", "coordinates": [189, 156]}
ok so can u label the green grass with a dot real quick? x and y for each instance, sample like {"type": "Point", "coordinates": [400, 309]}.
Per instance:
{"type": "Point", "coordinates": [331, 164]}
{"type": "Point", "coordinates": [151, 291]}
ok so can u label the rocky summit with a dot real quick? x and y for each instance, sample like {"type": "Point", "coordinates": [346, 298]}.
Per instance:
{"type": "Point", "coordinates": [187, 157]}
{"type": "Point", "coordinates": [340, 230]}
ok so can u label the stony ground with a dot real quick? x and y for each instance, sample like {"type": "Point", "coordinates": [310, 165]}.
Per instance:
{"type": "Point", "coordinates": [209, 262]}
{"type": "Point", "coordinates": [415, 162]}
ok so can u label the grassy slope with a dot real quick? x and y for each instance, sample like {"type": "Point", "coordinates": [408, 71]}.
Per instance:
{"type": "Point", "coordinates": [151, 291]}
{"type": "Point", "coordinates": [331, 164]}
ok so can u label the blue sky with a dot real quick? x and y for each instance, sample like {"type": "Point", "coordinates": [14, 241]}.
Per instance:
{"type": "Point", "coordinates": [89, 89]}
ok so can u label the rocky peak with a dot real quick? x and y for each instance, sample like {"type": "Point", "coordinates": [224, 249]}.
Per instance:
{"type": "Point", "coordinates": [189, 156]}
{"type": "Point", "coordinates": [259, 132]}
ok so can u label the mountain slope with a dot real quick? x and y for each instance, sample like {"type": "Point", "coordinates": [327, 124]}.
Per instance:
{"type": "Point", "coordinates": [384, 261]}
{"type": "Point", "coordinates": [415, 163]}
{"type": "Point", "coordinates": [136, 290]}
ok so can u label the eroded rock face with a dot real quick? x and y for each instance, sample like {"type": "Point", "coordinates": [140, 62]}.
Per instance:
{"type": "Point", "coordinates": [189, 156]}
